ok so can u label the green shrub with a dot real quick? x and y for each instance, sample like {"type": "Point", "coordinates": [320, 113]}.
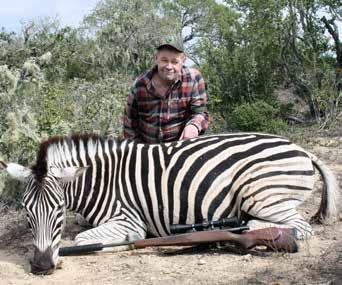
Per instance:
{"type": "Point", "coordinates": [54, 114]}
{"type": "Point", "coordinates": [99, 106]}
{"type": "Point", "coordinates": [17, 144]}
{"type": "Point", "coordinates": [21, 138]}
{"type": "Point", "coordinates": [219, 124]}
{"type": "Point", "coordinates": [8, 79]}
{"type": "Point", "coordinates": [258, 116]}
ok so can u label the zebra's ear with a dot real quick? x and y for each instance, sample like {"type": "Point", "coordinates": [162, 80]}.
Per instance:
{"type": "Point", "coordinates": [15, 170]}
{"type": "Point", "coordinates": [67, 174]}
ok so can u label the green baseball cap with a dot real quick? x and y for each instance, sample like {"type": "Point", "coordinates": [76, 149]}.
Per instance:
{"type": "Point", "coordinates": [174, 41]}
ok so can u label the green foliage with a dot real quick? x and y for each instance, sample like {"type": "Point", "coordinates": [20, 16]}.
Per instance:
{"type": "Point", "coordinates": [327, 96]}
{"type": "Point", "coordinates": [241, 53]}
{"type": "Point", "coordinates": [20, 140]}
{"type": "Point", "coordinates": [99, 106]}
{"type": "Point", "coordinates": [73, 56]}
{"type": "Point", "coordinates": [18, 143]}
{"type": "Point", "coordinates": [8, 79]}
{"type": "Point", "coordinates": [127, 33]}
{"type": "Point", "coordinates": [55, 110]}
{"type": "Point", "coordinates": [257, 116]}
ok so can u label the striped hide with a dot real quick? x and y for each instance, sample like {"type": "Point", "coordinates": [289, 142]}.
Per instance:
{"type": "Point", "coordinates": [125, 189]}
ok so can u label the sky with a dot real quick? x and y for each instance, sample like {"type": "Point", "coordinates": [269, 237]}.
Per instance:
{"type": "Point", "coordinates": [69, 12]}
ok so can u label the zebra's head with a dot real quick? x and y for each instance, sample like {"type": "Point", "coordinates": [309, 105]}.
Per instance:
{"type": "Point", "coordinates": [44, 204]}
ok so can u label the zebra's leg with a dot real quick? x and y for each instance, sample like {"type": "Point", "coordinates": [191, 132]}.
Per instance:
{"type": "Point", "coordinates": [277, 216]}
{"type": "Point", "coordinates": [110, 232]}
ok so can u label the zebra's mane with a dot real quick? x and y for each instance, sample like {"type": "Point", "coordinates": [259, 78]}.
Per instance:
{"type": "Point", "coordinates": [40, 169]}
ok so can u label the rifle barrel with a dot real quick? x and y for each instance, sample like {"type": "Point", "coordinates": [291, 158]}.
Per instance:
{"type": "Point", "coordinates": [88, 248]}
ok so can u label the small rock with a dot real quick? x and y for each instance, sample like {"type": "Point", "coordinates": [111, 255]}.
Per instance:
{"type": "Point", "coordinates": [201, 262]}
{"type": "Point", "coordinates": [247, 257]}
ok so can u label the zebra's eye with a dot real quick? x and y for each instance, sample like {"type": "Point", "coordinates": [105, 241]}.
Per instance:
{"type": "Point", "coordinates": [28, 221]}
{"type": "Point", "coordinates": [29, 224]}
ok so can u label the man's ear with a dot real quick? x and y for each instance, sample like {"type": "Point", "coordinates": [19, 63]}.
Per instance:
{"type": "Point", "coordinates": [16, 171]}
{"type": "Point", "coordinates": [183, 57]}
{"type": "Point", "coordinates": [156, 58]}
{"type": "Point", "coordinates": [67, 174]}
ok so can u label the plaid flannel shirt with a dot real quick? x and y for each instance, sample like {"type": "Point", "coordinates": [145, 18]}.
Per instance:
{"type": "Point", "coordinates": [152, 118]}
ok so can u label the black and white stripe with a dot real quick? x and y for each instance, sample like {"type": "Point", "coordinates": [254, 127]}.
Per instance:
{"type": "Point", "coordinates": [139, 188]}
{"type": "Point", "coordinates": [44, 205]}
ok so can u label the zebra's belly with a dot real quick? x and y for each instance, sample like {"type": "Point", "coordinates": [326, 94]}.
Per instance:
{"type": "Point", "coordinates": [226, 193]}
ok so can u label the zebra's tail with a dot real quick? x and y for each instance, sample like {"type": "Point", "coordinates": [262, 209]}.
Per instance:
{"type": "Point", "coordinates": [328, 211]}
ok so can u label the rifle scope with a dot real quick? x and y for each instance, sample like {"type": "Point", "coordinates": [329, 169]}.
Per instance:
{"type": "Point", "coordinates": [205, 225]}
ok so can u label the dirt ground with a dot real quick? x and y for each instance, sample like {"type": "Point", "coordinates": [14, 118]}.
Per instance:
{"type": "Point", "coordinates": [319, 260]}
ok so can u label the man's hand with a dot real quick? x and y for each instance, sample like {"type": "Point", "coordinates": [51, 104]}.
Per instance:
{"type": "Point", "coordinates": [190, 131]}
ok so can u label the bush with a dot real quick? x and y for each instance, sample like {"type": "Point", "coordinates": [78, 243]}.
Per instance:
{"type": "Point", "coordinates": [17, 144]}
{"type": "Point", "coordinates": [99, 106]}
{"type": "Point", "coordinates": [258, 116]}
{"type": "Point", "coordinates": [54, 114]}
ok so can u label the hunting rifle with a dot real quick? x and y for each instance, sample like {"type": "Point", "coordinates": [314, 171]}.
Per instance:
{"type": "Point", "coordinates": [276, 239]}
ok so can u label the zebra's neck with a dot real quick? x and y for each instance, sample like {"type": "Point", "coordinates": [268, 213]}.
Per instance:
{"type": "Point", "coordinates": [101, 157]}
{"type": "Point", "coordinates": [117, 171]}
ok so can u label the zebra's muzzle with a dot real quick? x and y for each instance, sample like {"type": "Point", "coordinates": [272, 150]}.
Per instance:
{"type": "Point", "coordinates": [42, 262]}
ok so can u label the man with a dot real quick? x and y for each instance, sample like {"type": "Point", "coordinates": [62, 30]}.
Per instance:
{"type": "Point", "coordinates": [167, 103]}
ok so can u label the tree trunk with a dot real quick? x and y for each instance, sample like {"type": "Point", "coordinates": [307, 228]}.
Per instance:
{"type": "Point", "coordinates": [333, 31]}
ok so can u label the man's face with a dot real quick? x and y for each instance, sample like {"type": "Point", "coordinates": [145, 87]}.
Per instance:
{"type": "Point", "coordinates": [169, 64]}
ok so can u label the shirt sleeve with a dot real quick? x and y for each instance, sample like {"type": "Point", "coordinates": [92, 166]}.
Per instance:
{"type": "Point", "coordinates": [131, 116]}
{"type": "Point", "coordinates": [199, 114]}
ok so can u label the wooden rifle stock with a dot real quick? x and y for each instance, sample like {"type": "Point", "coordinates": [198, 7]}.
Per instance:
{"type": "Point", "coordinates": [273, 238]}
{"type": "Point", "coordinates": [276, 239]}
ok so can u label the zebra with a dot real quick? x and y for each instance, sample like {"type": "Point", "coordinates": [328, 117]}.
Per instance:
{"type": "Point", "coordinates": [126, 189]}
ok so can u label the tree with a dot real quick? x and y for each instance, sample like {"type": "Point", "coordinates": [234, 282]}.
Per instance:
{"type": "Point", "coordinates": [126, 34]}
{"type": "Point", "coordinates": [306, 55]}
{"type": "Point", "coordinates": [240, 52]}
{"type": "Point", "coordinates": [333, 11]}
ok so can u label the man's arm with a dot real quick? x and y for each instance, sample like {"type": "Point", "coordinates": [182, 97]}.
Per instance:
{"type": "Point", "coordinates": [200, 119]}
{"type": "Point", "coordinates": [130, 119]}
